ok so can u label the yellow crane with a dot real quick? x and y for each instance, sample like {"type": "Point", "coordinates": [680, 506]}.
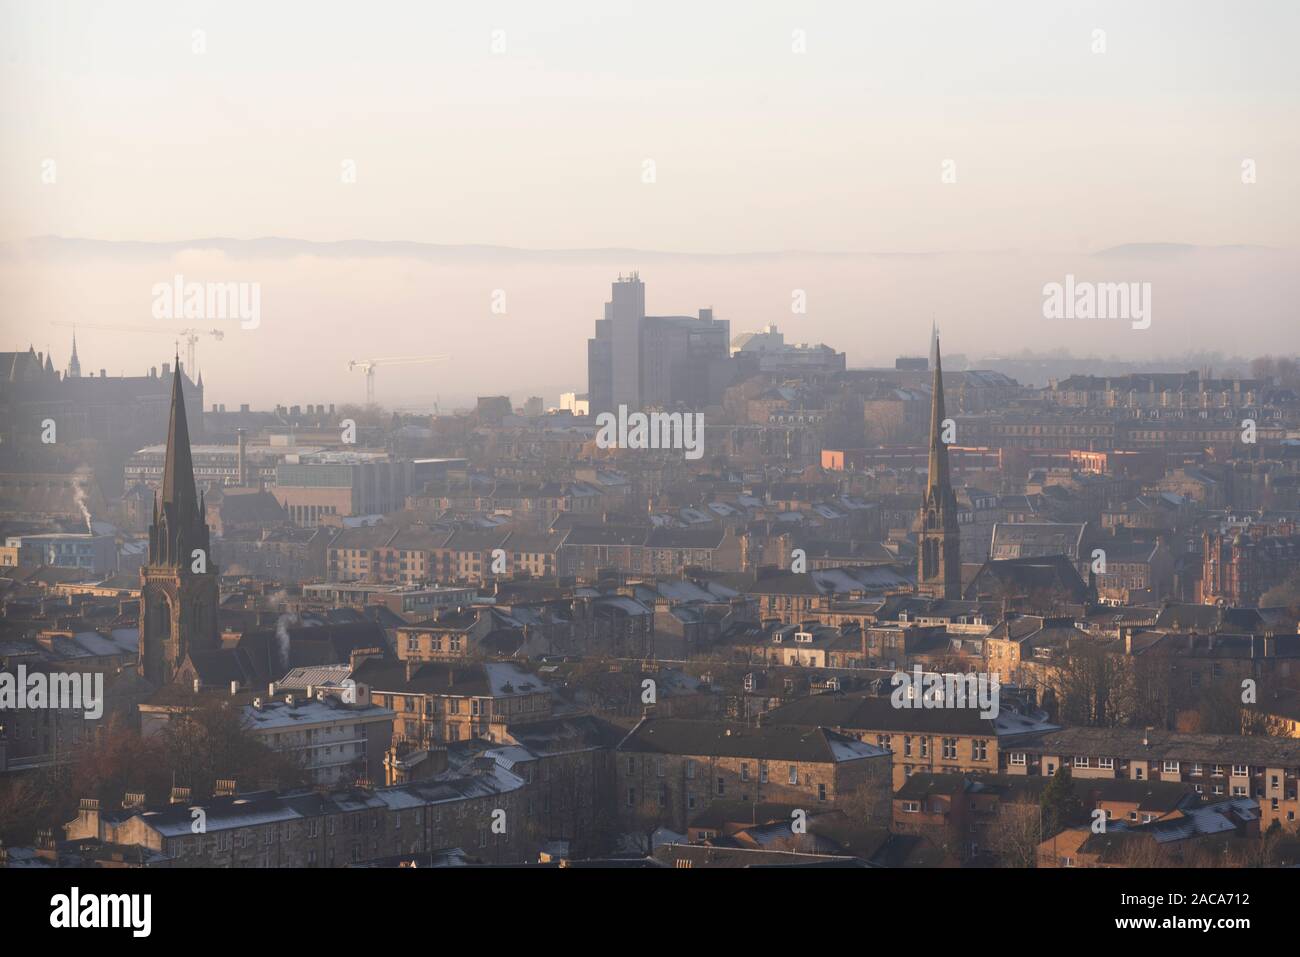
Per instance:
{"type": "Point", "coordinates": [368, 367]}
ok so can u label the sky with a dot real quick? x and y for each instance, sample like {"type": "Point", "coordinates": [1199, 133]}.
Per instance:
{"type": "Point", "coordinates": [898, 162]}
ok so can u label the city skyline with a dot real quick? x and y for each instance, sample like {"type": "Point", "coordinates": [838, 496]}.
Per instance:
{"type": "Point", "coordinates": [441, 440]}
{"type": "Point", "coordinates": [895, 165]}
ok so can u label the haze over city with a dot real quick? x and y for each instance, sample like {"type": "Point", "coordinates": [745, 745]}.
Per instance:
{"type": "Point", "coordinates": [907, 165]}
{"type": "Point", "coordinates": [845, 439]}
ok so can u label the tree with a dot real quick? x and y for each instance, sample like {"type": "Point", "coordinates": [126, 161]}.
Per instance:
{"type": "Point", "coordinates": [1060, 805]}
{"type": "Point", "coordinates": [209, 742]}
{"type": "Point", "coordinates": [198, 746]}
{"type": "Point", "coordinates": [1089, 685]}
{"type": "Point", "coordinates": [1014, 835]}
{"type": "Point", "coordinates": [1285, 594]}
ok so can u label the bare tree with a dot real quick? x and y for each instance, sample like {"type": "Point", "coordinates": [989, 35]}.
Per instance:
{"type": "Point", "coordinates": [1015, 834]}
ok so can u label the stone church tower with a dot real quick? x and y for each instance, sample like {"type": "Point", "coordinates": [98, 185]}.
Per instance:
{"type": "Point", "coordinates": [938, 573]}
{"type": "Point", "coordinates": [178, 584]}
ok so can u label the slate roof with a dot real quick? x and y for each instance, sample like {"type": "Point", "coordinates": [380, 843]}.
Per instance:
{"type": "Point", "coordinates": [718, 738]}
{"type": "Point", "coordinates": [1128, 743]}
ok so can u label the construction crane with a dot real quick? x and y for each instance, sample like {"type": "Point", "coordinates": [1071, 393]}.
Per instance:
{"type": "Point", "coordinates": [191, 336]}
{"type": "Point", "coordinates": [368, 367]}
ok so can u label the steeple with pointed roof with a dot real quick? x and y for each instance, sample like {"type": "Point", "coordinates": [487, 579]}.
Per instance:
{"type": "Point", "coordinates": [178, 585]}
{"type": "Point", "coordinates": [938, 548]}
{"type": "Point", "coordinates": [179, 525]}
{"type": "Point", "coordinates": [74, 364]}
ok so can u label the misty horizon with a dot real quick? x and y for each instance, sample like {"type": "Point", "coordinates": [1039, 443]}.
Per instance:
{"type": "Point", "coordinates": [864, 304]}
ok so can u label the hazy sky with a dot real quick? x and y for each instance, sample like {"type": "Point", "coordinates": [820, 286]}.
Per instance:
{"type": "Point", "coordinates": [1057, 152]}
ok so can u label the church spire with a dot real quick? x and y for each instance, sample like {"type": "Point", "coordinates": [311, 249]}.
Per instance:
{"type": "Point", "coordinates": [74, 364]}
{"type": "Point", "coordinates": [178, 471]}
{"type": "Point", "coordinates": [178, 585]}
{"type": "Point", "coordinates": [938, 449]}
{"type": "Point", "coordinates": [938, 572]}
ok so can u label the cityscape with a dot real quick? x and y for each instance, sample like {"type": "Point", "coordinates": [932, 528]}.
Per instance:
{"type": "Point", "coordinates": [796, 587]}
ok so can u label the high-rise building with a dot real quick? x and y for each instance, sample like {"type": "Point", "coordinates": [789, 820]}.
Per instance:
{"type": "Point", "coordinates": [178, 583]}
{"type": "Point", "coordinates": [646, 362]}
{"type": "Point", "coordinates": [938, 550]}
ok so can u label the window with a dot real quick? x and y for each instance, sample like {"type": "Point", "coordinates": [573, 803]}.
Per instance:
{"type": "Point", "coordinates": [949, 749]}
{"type": "Point", "coordinates": [925, 747]}
{"type": "Point", "coordinates": [1240, 771]}
{"type": "Point", "coordinates": [1080, 762]}
{"type": "Point", "coordinates": [981, 750]}
{"type": "Point", "coordinates": [659, 767]}
{"type": "Point", "coordinates": [722, 785]}
{"type": "Point", "coordinates": [821, 793]}
{"type": "Point", "coordinates": [744, 771]}
{"type": "Point", "coordinates": [907, 745]}
{"type": "Point", "coordinates": [762, 772]}
{"type": "Point", "coordinates": [1107, 764]}
{"type": "Point", "coordinates": [690, 769]}
{"type": "Point", "coordinates": [1017, 760]}
{"type": "Point", "coordinates": [631, 797]}
{"type": "Point", "coordinates": [794, 774]}
{"type": "Point", "coordinates": [1169, 767]}
{"type": "Point", "coordinates": [911, 807]}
